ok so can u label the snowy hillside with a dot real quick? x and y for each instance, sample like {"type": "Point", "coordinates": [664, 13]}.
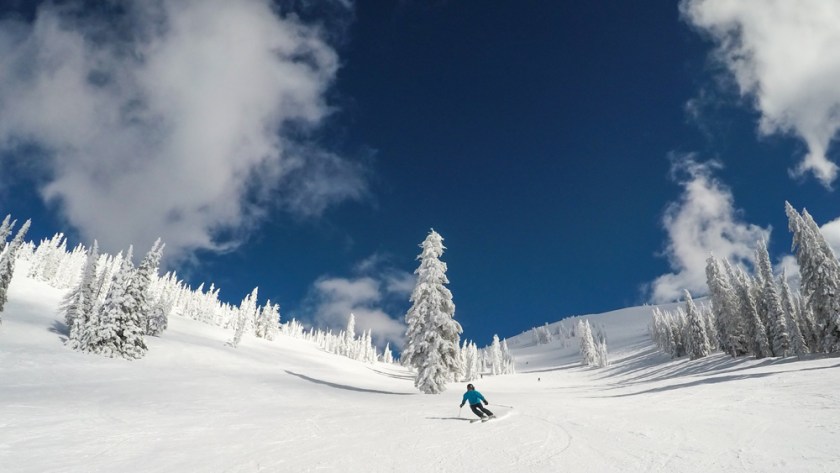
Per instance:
{"type": "Point", "coordinates": [194, 404]}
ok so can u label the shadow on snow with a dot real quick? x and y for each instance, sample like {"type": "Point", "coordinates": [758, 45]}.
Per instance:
{"type": "Point", "coordinates": [344, 386]}
{"type": "Point", "coordinates": [452, 418]}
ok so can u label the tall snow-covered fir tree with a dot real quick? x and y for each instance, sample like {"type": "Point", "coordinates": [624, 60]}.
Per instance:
{"type": "Point", "coordinates": [697, 340]}
{"type": "Point", "coordinates": [779, 336]}
{"type": "Point", "coordinates": [756, 334]}
{"type": "Point", "coordinates": [7, 263]}
{"type": "Point", "coordinates": [797, 341]}
{"type": "Point", "coordinates": [763, 273]}
{"type": "Point", "coordinates": [726, 305]}
{"type": "Point", "coordinates": [244, 317]}
{"type": "Point", "coordinates": [118, 332]}
{"type": "Point", "coordinates": [588, 350]}
{"type": "Point", "coordinates": [81, 301]}
{"type": "Point", "coordinates": [140, 289]}
{"type": "Point", "coordinates": [5, 230]}
{"type": "Point", "coordinates": [820, 270]}
{"type": "Point", "coordinates": [348, 348]}
{"type": "Point", "coordinates": [433, 335]}
{"type": "Point", "coordinates": [494, 356]}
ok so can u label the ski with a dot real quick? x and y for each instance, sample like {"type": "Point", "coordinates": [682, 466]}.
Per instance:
{"type": "Point", "coordinates": [483, 419]}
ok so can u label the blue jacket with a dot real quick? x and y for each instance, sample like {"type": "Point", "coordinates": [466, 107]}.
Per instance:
{"type": "Point", "coordinates": [474, 397]}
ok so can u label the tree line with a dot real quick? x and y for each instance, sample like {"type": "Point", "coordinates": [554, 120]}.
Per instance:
{"type": "Point", "coordinates": [760, 315]}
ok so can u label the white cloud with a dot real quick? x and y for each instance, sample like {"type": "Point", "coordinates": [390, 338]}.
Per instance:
{"type": "Point", "coordinates": [782, 55]}
{"type": "Point", "coordinates": [377, 295]}
{"type": "Point", "coordinates": [336, 298]}
{"type": "Point", "coordinates": [831, 232]}
{"type": "Point", "coordinates": [702, 222]}
{"type": "Point", "coordinates": [179, 119]}
{"type": "Point", "coordinates": [791, 269]}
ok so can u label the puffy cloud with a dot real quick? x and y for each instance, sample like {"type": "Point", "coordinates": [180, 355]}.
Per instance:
{"type": "Point", "coordinates": [377, 295]}
{"type": "Point", "coordinates": [831, 232]}
{"type": "Point", "coordinates": [703, 221]}
{"type": "Point", "coordinates": [782, 55]}
{"type": "Point", "coordinates": [180, 119]}
{"type": "Point", "coordinates": [334, 299]}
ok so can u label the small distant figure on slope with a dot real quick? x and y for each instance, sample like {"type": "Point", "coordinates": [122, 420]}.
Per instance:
{"type": "Point", "coordinates": [475, 399]}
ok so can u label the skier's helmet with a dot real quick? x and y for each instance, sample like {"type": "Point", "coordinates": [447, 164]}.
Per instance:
{"type": "Point", "coordinates": [470, 387]}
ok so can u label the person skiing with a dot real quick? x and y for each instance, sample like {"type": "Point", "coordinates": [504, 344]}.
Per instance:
{"type": "Point", "coordinates": [475, 399]}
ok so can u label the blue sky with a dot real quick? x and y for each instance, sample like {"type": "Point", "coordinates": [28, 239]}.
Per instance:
{"type": "Point", "coordinates": [577, 157]}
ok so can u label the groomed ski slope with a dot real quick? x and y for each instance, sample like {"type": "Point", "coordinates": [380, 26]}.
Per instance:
{"type": "Point", "coordinates": [196, 405]}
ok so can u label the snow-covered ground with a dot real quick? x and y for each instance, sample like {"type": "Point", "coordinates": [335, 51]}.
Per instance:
{"type": "Point", "coordinates": [195, 405]}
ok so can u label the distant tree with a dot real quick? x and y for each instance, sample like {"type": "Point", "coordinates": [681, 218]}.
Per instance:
{"type": "Point", "coordinates": [508, 365]}
{"type": "Point", "coordinates": [472, 361]}
{"type": "Point", "coordinates": [7, 263]}
{"type": "Point", "coordinates": [387, 356]}
{"type": "Point", "coordinates": [349, 348]}
{"type": "Point", "coordinates": [433, 335]}
{"type": "Point", "coordinates": [669, 331]}
{"type": "Point", "coordinates": [268, 321]}
{"type": "Point", "coordinates": [588, 350]}
{"type": "Point", "coordinates": [244, 316]}
{"type": "Point", "coordinates": [495, 356]}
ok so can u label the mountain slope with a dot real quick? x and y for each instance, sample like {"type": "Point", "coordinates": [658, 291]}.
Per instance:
{"type": "Point", "coordinates": [194, 404]}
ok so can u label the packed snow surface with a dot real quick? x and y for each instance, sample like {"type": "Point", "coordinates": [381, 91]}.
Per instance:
{"type": "Point", "coordinates": [195, 405]}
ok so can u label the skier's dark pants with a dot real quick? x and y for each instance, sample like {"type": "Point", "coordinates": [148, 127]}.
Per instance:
{"type": "Point", "coordinates": [480, 410]}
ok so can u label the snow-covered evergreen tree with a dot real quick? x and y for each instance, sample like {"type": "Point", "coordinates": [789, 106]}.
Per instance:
{"type": "Point", "coordinates": [588, 350]}
{"type": "Point", "coordinates": [387, 356]}
{"type": "Point", "coordinates": [780, 338]}
{"type": "Point", "coordinates": [757, 341]}
{"type": "Point", "coordinates": [140, 289]}
{"type": "Point", "coordinates": [472, 361]}
{"type": "Point", "coordinates": [268, 321]}
{"type": "Point", "coordinates": [433, 335]}
{"type": "Point", "coordinates": [240, 323]}
{"type": "Point", "coordinates": [117, 332]}
{"type": "Point", "coordinates": [495, 356]}
{"type": "Point", "coordinates": [726, 305]}
{"type": "Point", "coordinates": [697, 339]}
{"type": "Point", "coordinates": [797, 341]}
{"type": "Point", "coordinates": [7, 263]}
{"type": "Point", "coordinates": [79, 303]}
{"type": "Point", "coordinates": [6, 230]}
{"type": "Point", "coordinates": [669, 331]}
{"type": "Point", "coordinates": [764, 273]}
{"type": "Point", "coordinates": [244, 317]}
{"type": "Point", "coordinates": [349, 348]}
{"type": "Point", "coordinates": [820, 272]}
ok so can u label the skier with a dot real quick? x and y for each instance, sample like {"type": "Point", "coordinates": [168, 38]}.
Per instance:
{"type": "Point", "coordinates": [475, 398]}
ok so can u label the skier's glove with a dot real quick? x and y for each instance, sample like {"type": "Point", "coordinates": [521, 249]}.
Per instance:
{"type": "Point", "coordinates": [485, 403]}
{"type": "Point", "coordinates": [462, 405]}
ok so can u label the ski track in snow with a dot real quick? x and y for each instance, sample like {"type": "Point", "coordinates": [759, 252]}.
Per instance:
{"type": "Point", "coordinates": [194, 404]}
